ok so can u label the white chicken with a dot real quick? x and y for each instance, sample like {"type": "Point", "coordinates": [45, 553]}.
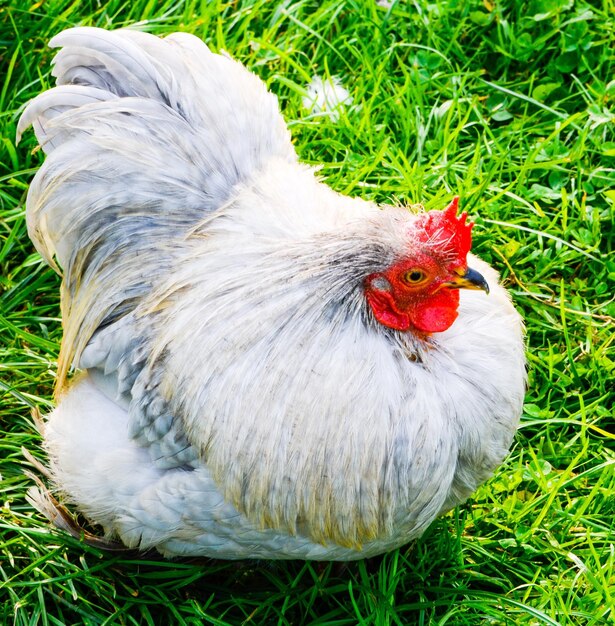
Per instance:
{"type": "Point", "coordinates": [268, 369]}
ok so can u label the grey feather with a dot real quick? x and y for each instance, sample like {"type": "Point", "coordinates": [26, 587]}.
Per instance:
{"type": "Point", "coordinates": [139, 152]}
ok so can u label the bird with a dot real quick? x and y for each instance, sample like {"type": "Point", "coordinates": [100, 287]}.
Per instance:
{"type": "Point", "coordinates": [253, 366]}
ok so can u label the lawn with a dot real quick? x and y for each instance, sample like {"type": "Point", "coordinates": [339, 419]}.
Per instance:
{"type": "Point", "coordinates": [510, 105]}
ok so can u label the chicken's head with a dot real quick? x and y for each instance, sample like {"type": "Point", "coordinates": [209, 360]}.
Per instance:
{"type": "Point", "coordinates": [420, 291]}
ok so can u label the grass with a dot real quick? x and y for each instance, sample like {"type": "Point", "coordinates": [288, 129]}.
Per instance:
{"type": "Point", "coordinates": [510, 105]}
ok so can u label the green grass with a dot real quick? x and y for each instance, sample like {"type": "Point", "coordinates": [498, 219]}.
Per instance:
{"type": "Point", "coordinates": [510, 105]}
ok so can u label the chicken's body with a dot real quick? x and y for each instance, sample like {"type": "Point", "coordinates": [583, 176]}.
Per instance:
{"type": "Point", "coordinates": [239, 399]}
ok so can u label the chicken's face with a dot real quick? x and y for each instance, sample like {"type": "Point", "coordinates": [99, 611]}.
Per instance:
{"type": "Point", "coordinates": [421, 291]}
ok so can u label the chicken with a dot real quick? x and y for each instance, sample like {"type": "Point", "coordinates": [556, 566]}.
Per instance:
{"type": "Point", "coordinates": [265, 368]}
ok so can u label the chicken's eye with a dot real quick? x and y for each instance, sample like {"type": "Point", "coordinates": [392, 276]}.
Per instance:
{"type": "Point", "coordinates": [415, 277]}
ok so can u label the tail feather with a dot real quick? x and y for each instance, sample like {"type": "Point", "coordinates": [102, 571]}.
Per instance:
{"type": "Point", "coordinates": [52, 104]}
{"type": "Point", "coordinates": [110, 60]}
{"type": "Point", "coordinates": [144, 138]}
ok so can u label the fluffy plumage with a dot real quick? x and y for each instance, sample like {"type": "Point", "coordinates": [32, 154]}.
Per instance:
{"type": "Point", "coordinates": [239, 398]}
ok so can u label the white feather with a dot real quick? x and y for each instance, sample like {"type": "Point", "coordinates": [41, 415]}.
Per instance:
{"type": "Point", "coordinates": [326, 96]}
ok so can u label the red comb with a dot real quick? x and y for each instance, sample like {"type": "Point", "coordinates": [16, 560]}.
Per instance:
{"type": "Point", "coordinates": [444, 226]}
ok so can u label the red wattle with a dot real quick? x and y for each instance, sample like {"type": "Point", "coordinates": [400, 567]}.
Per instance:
{"type": "Point", "coordinates": [433, 314]}
{"type": "Point", "coordinates": [436, 313]}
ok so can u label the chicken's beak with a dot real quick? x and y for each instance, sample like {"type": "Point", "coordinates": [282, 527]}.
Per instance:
{"type": "Point", "coordinates": [470, 279]}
